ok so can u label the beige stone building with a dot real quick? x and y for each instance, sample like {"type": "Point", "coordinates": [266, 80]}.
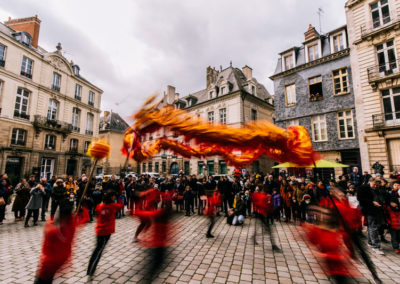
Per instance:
{"type": "Point", "coordinates": [48, 111]}
{"type": "Point", "coordinates": [232, 96]}
{"type": "Point", "coordinates": [374, 37]}
{"type": "Point", "coordinates": [112, 129]}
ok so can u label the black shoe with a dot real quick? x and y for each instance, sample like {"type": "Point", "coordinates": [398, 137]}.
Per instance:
{"type": "Point", "coordinates": [208, 236]}
{"type": "Point", "coordinates": [35, 224]}
{"type": "Point", "coordinates": [43, 219]}
{"type": "Point", "coordinates": [383, 240]}
{"type": "Point", "coordinates": [26, 226]}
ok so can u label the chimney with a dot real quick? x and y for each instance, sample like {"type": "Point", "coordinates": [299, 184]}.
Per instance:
{"type": "Point", "coordinates": [311, 33]}
{"type": "Point", "coordinates": [212, 75]}
{"type": "Point", "coordinates": [170, 94]}
{"type": "Point", "coordinates": [30, 25]}
{"type": "Point", "coordinates": [248, 72]}
{"type": "Point", "coordinates": [106, 113]}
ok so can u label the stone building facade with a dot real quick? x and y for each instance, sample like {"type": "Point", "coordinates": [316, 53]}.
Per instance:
{"type": "Point", "coordinates": [374, 37]}
{"type": "Point", "coordinates": [232, 96]}
{"type": "Point", "coordinates": [313, 88]}
{"type": "Point", "coordinates": [48, 110]}
{"type": "Point", "coordinates": [112, 129]}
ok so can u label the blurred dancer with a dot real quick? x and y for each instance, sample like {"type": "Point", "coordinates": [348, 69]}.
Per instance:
{"type": "Point", "coordinates": [57, 244]}
{"type": "Point", "coordinates": [104, 228]}
{"type": "Point", "coordinates": [212, 203]}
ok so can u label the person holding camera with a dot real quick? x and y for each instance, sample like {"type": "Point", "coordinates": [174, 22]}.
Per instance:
{"type": "Point", "coordinates": [35, 203]}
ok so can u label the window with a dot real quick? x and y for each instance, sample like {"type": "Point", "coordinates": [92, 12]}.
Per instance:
{"type": "Point", "coordinates": [76, 113]}
{"type": "Point", "coordinates": [73, 145]}
{"type": "Point", "coordinates": [210, 168]}
{"type": "Point", "coordinates": [222, 167]}
{"type": "Point", "coordinates": [386, 58]}
{"type": "Point", "coordinates": [52, 110]}
{"type": "Point", "coordinates": [288, 62]}
{"type": "Point", "coordinates": [78, 92]}
{"type": "Point", "coordinates": [47, 168]}
{"type": "Point", "coordinates": [87, 143]}
{"type": "Point", "coordinates": [18, 137]}
{"type": "Point", "coordinates": [186, 167]}
{"type": "Point", "coordinates": [253, 114]}
{"type": "Point", "coordinates": [2, 55]}
{"type": "Point", "coordinates": [340, 81]}
{"type": "Point", "coordinates": [292, 122]}
{"type": "Point", "coordinates": [380, 13]}
{"type": "Point", "coordinates": [223, 90]}
{"type": "Point", "coordinates": [222, 115]}
{"type": "Point", "coordinates": [89, 124]}
{"type": "Point", "coordinates": [91, 98]}
{"type": "Point", "coordinates": [144, 167]}
{"type": "Point", "coordinates": [56, 82]}
{"type": "Point", "coordinates": [50, 142]}
{"type": "Point", "coordinates": [26, 67]}
{"type": "Point", "coordinates": [338, 42]}
{"type": "Point", "coordinates": [211, 116]}
{"type": "Point", "coordinates": [391, 105]}
{"type": "Point", "coordinates": [150, 167]}
{"type": "Point", "coordinates": [157, 167]}
{"type": "Point", "coordinates": [253, 90]}
{"type": "Point", "coordinates": [290, 92]}
{"type": "Point", "coordinates": [164, 167]}
{"type": "Point", "coordinates": [345, 124]}
{"type": "Point", "coordinates": [319, 128]}
{"type": "Point", "coordinates": [315, 86]}
{"type": "Point", "coordinates": [200, 168]}
{"type": "Point", "coordinates": [22, 103]}
{"type": "Point", "coordinates": [313, 52]}
{"type": "Point", "coordinates": [211, 95]}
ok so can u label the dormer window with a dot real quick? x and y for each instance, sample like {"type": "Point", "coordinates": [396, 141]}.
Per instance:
{"type": "Point", "coordinates": [338, 42]}
{"type": "Point", "coordinates": [76, 69]}
{"type": "Point", "coordinates": [223, 90]}
{"type": "Point", "coordinates": [23, 38]}
{"type": "Point", "coordinates": [253, 90]}
{"type": "Point", "coordinates": [313, 52]}
{"type": "Point", "coordinates": [211, 95]}
{"type": "Point", "coordinates": [288, 62]}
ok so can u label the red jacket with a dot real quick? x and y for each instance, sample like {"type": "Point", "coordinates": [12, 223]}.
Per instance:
{"type": "Point", "coordinates": [393, 219]}
{"type": "Point", "coordinates": [106, 218]}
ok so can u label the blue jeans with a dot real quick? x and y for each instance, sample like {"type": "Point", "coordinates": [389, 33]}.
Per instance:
{"type": "Point", "coordinates": [238, 220]}
{"type": "Point", "coordinates": [373, 231]}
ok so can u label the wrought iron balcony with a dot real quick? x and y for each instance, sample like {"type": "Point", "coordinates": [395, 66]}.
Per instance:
{"type": "Point", "coordinates": [21, 115]}
{"type": "Point", "coordinates": [2, 62]}
{"type": "Point", "coordinates": [388, 119]}
{"type": "Point", "coordinates": [382, 71]}
{"type": "Point", "coordinates": [91, 103]}
{"type": "Point", "coordinates": [27, 75]}
{"type": "Point", "coordinates": [55, 88]}
{"type": "Point", "coordinates": [377, 26]}
{"type": "Point", "coordinates": [18, 142]}
{"type": "Point", "coordinates": [78, 97]}
{"type": "Point", "coordinates": [76, 128]}
{"type": "Point", "coordinates": [89, 132]}
{"type": "Point", "coordinates": [41, 122]}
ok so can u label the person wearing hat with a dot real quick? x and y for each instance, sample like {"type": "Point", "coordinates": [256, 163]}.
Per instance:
{"type": "Point", "coordinates": [58, 195]}
{"type": "Point", "coordinates": [378, 168]}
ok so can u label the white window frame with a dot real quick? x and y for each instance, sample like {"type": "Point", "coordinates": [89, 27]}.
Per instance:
{"type": "Point", "coordinates": [223, 90]}
{"type": "Point", "coordinates": [73, 144]}
{"type": "Point", "coordinates": [292, 122]}
{"type": "Point", "coordinates": [333, 41]}
{"type": "Point", "coordinates": [379, 9]}
{"type": "Point", "coordinates": [56, 85]}
{"type": "Point", "coordinates": [27, 66]}
{"type": "Point", "coordinates": [76, 113]}
{"type": "Point", "coordinates": [341, 81]}
{"type": "Point", "coordinates": [317, 45]}
{"type": "Point", "coordinates": [52, 110]}
{"type": "Point", "coordinates": [211, 95]}
{"type": "Point", "coordinates": [346, 116]}
{"type": "Point", "coordinates": [292, 56]}
{"type": "Point", "coordinates": [78, 91]}
{"type": "Point", "coordinates": [89, 122]}
{"type": "Point", "coordinates": [86, 146]}
{"type": "Point", "coordinates": [210, 116]}
{"type": "Point", "coordinates": [222, 115]}
{"type": "Point", "coordinates": [47, 167]}
{"type": "Point", "coordinates": [392, 95]}
{"type": "Point", "coordinates": [24, 97]}
{"type": "Point", "coordinates": [290, 100]}
{"type": "Point", "coordinates": [18, 136]}
{"type": "Point", "coordinates": [388, 64]}
{"type": "Point", "coordinates": [91, 98]}
{"type": "Point", "coordinates": [253, 114]}
{"type": "Point", "coordinates": [3, 54]}
{"type": "Point", "coordinates": [50, 138]}
{"type": "Point", "coordinates": [317, 120]}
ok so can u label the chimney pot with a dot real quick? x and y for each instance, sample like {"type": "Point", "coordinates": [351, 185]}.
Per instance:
{"type": "Point", "coordinates": [247, 71]}
{"type": "Point", "coordinates": [30, 25]}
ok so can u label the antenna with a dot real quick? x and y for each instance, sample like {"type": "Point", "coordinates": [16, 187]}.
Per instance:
{"type": "Point", "coordinates": [320, 12]}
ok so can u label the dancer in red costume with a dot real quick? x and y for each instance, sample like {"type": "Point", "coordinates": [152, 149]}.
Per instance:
{"type": "Point", "coordinates": [58, 241]}
{"type": "Point", "coordinates": [212, 203]}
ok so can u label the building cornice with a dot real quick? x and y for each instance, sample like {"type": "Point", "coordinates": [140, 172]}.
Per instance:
{"type": "Point", "coordinates": [313, 63]}
{"type": "Point", "coordinates": [351, 3]}
{"type": "Point", "coordinates": [370, 35]}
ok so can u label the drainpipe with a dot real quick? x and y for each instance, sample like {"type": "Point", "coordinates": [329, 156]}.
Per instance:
{"type": "Point", "coordinates": [243, 96]}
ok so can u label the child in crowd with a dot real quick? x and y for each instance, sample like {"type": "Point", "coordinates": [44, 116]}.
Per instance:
{"type": "Point", "coordinates": [247, 202]}
{"type": "Point", "coordinates": [276, 203]}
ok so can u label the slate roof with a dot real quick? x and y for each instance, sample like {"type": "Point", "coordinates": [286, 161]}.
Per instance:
{"type": "Point", "coordinates": [113, 122]}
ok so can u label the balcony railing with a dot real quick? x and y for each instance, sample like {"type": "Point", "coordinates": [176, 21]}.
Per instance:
{"type": "Point", "coordinates": [55, 88]}
{"type": "Point", "coordinates": [18, 142]}
{"type": "Point", "coordinates": [78, 97]}
{"type": "Point", "coordinates": [21, 115]}
{"type": "Point", "coordinates": [378, 26]}
{"type": "Point", "coordinates": [381, 71]}
{"type": "Point", "coordinates": [91, 103]}
{"type": "Point", "coordinates": [41, 122]}
{"type": "Point", "coordinates": [2, 62]}
{"type": "Point", "coordinates": [76, 128]}
{"type": "Point", "coordinates": [386, 119]}
{"type": "Point", "coordinates": [27, 75]}
{"type": "Point", "coordinates": [89, 132]}
{"type": "Point", "coordinates": [50, 146]}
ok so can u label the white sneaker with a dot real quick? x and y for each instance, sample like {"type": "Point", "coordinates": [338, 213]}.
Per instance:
{"type": "Point", "coordinates": [378, 251]}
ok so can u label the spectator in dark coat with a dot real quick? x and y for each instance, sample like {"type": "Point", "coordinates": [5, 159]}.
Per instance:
{"type": "Point", "coordinates": [35, 203]}
{"type": "Point", "coordinates": [58, 196]}
{"type": "Point", "coordinates": [378, 168]}
{"type": "Point", "coordinates": [23, 195]}
{"type": "Point", "coordinates": [355, 177]}
{"type": "Point", "coordinates": [269, 184]}
{"type": "Point", "coordinates": [188, 199]}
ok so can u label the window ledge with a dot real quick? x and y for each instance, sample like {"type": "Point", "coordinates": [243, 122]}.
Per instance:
{"type": "Point", "coordinates": [341, 94]}
{"type": "Point", "coordinates": [291, 105]}
{"type": "Point", "coordinates": [320, 141]}
{"type": "Point", "coordinates": [347, 138]}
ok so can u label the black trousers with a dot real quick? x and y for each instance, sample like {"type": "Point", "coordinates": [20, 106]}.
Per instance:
{"type": "Point", "coordinates": [35, 213]}
{"type": "Point", "coordinates": [54, 205]}
{"type": "Point", "coordinates": [19, 213]}
{"type": "Point", "coordinates": [45, 204]}
{"type": "Point", "coordinates": [96, 255]}
{"type": "Point", "coordinates": [2, 212]}
{"type": "Point", "coordinates": [210, 227]}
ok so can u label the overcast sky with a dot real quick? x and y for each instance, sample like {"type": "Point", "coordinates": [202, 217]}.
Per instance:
{"type": "Point", "coordinates": [134, 48]}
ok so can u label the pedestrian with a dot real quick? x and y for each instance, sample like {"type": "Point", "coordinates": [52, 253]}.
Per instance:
{"type": "Point", "coordinates": [23, 195]}
{"type": "Point", "coordinates": [239, 211]}
{"type": "Point", "coordinates": [393, 220]}
{"type": "Point", "coordinates": [212, 202]}
{"type": "Point", "coordinates": [286, 193]}
{"type": "Point", "coordinates": [105, 227]}
{"type": "Point", "coordinates": [378, 168]}
{"type": "Point", "coordinates": [34, 204]}
{"type": "Point", "coordinates": [58, 196]}
{"type": "Point", "coordinates": [188, 199]}
{"type": "Point", "coordinates": [45, 203]}
{"type": "Point", "coordinates": [277, 203]}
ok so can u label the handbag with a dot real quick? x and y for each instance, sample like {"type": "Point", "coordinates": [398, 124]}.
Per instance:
{"type": "Point", "coordinates": [2, 201]}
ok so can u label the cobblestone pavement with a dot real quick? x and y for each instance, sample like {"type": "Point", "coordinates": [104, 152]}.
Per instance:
{"type": "Point", "coordinates": [231, 257]}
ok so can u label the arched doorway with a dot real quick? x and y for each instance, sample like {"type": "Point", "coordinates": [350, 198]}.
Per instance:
{"type": "Point", "coordinates": [174, 170]}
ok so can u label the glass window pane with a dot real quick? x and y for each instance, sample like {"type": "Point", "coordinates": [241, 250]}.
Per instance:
{"type": "Point", "coordinates": [387, 107]}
